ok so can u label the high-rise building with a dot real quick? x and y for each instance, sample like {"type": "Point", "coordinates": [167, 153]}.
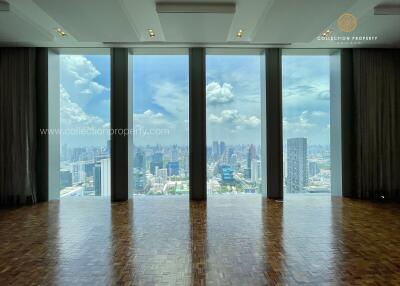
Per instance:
{"type": "Point", "coordinates": [226, 173]}
{"type": "Point", "coordinates": [222, 148]}
{"type": "Point", "coordinates": [297, 177]}
{"type": "Point", "coordinates": [186, 164]}
{"type": "Point", "coordinates": [156, 161]}
{"type": "Point", "coordinates": [78, 172]}
{"type": "Point", "coordinates": [77, 154]}
{"type": "Point", "coordinates": [139, 160]}
{"type": "Point", "coordinates": [173, 168]}
{"type": "Point", "coordinates": [162, 175]}
{"type": "Point", "coordinates": [215, 150]}
{"type": "Point", "coordinates": [233, 161]}
{"type": "Point", "coordinates": [251, 155]}
{"type": "Point", "coordinates": [255, 170]}
{"type": "Point", "coordinates": [97, 179]}
{"type": "Point", "coordinates": [65, 179]}
{"type": "Point", "coordinates": [313, 169]}
{"type": "Point", "coordinates": [139, 180]}
{"type": "Point", "coordinates": [105, 177]}
{"type": "Point", "coordinates": [108, 147]}
{"type": "Point", "coordinates": [174, 154]}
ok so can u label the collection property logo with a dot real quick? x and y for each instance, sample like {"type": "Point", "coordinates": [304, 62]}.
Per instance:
{"type": "Point", "coordinates": [346, 23]}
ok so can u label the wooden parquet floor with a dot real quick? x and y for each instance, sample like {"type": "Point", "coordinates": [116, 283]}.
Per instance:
{"type": "Point", "coordinates": [230, 240]}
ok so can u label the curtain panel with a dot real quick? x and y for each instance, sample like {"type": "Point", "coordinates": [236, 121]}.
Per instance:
{"type": "Point", "coordinates": [376, 74]}
{"type": "Point", "coordinates": [17, 126]}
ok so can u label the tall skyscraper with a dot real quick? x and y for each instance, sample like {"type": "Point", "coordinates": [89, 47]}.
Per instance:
{"type": "Point", "coordinates": [255, 170]}
{"type": "Point", "coordinates": [297, 177]}
{"type": "Point", "coordinates": [78, 172]}
{"type": "Point", "coordinates": [222, 148]}
{"type": "Point", "coordinates": [215, 150]}
{"type": "Point", "coordinates": [108, 147]}
{"type": "Point", "coordinates": [65, 179]}
{"type": "Point", "coordinates": [105, 177]}
{"type": "Point", "coordinates": [173, 168]}
{"type": "Point", "coordinates": [174, 154]}
{"type": "Point", "coordinates": [156, 161]}
{"type": "Point", "coordinates": [139, 160]}
{"type": "Point", "coordinates": [313, 169]}
{"type": "Point", "coordinates": [251, 155]}
{"type": "Point", "coordinates": [97, 179]}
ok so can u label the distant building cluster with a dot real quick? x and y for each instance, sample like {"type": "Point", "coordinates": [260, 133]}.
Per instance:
{"type": "Point", "coordinates": [85, 171]}
{"type": "Point", "coordinates": [164, 170]}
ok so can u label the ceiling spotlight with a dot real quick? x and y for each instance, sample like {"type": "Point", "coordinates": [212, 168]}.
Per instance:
{"type": "Point", "coordinates": [151, 33]}
{"type": "Point", "coordinates": [60, 32]}
{"type": "Point", "coordinates": [327, 33]}
{"type": "Point", "coordinates": [239, 34]}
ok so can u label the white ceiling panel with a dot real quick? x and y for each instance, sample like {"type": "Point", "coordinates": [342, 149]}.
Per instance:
{"type": "Point", "coordinates": [191, 28]}
{"type": "Point", "coordinates": [91, 21]}
{"type": "Point", "coordinates": [298, 21]}
{"type": "Point", "coordinates": [15, 28]}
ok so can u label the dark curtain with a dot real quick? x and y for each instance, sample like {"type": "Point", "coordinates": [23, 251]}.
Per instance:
{"type": "Point", "coordinates": [17, 126]}
{"type": "Point", "coordinates": [376, 75]}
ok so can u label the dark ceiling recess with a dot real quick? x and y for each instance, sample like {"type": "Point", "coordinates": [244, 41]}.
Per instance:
{"type": "Point", "coordinates": [4, 6]}
{"type": "Point", "coordinates": [387, 9]}
{"type": "Point", "coordinates": [195, 7]}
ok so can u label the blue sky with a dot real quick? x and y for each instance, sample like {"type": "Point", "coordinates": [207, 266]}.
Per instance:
{"type": "Point", "coordinates": [161, 98]}
{"type": "Point", "coordinates": [306, 97]}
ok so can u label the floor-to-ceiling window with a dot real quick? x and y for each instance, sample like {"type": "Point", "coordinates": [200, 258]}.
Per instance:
{"type": "Point", "coordinates": [160, 123]}
{"type": "Point", "coordinates": [84, 92]}
{"type": "Point", "coordinates": [306, 122]}
{"type": "Point", "coordinates": [235, 148]}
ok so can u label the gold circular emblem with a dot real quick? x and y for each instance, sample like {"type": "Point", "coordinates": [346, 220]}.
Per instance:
{"type": "Point", "coordinates": [347, 22]}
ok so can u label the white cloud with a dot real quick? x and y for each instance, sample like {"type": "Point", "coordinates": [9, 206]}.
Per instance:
{"type": "Point", "coordinates": [83, 74]}
{"type": "Point", "coordinates": [73, 116]}
{"type": "Point", "coordinates": [319, 113]}
{"type": "Point", "coordinates": [233, 118]}
{"type": "Point", "coordinates": [151, 119]}
{"type": "Point", "coordinates": [217, 94]}
{"type": "Point", "coordinates": [298, 124]}
{"type": "Point", "coordinates": [173, 98]}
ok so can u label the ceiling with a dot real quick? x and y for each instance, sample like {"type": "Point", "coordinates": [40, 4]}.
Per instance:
{"type": "Point", "coordinates": [265, 23]}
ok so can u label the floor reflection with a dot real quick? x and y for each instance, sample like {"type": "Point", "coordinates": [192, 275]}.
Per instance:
{"type": "Point", "coordinates": [123, 248]}
{"type": "Point", "coordinates": [198, 241]}
{"type": "Point", "coordinates": [230, 240]}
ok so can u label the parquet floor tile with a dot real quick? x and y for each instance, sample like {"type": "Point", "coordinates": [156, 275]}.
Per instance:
{"type": "Point", "coordinates": [230, 240]}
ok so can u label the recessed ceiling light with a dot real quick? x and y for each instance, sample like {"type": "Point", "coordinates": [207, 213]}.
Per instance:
{"type": "Point", "coordinates": [327, 33]}
{"type": "Point", "coordinates": [151, 33]}
{"type": "Point", "coordinates": [239, 34]}
{"type": "Point", "coordinates": [60, 32]}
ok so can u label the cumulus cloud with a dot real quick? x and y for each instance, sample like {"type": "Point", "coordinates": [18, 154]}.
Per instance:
{"type": "Point", "coordinates": [217, 94]}
{"type": "Point", "coordinates": [173, 98]}
{"type": "Point", "coordinates": [73, 116]}
{"type": "Point", "coordinates": [298, 123]}
{"type": "Point", "coordinates": [233, 118]}
{"type": "Point", "coordinates": [83, 73]}
{"type": "Point", "coordinates": [151, 119]}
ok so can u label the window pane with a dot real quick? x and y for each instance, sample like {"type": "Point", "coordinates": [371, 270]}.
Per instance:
{"type": "Point", "coordinates": [84, 121]}
{"type": "Point", "coordinates": [160, 120]}
{"type": "Point", "coordinates": [234, 113]}
{"type": "Point", "coordinates": [306, 124]}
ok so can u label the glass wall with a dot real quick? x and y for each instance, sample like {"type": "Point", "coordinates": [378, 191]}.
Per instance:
{"type": "Point", "coordinates": [84, 125]}
{"type": "Point", "coordinates": [235, 156]}
{"type": "Point", "coordinates": [160, 124]}
{"type": "Point", "coordinates": [306, 123]}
